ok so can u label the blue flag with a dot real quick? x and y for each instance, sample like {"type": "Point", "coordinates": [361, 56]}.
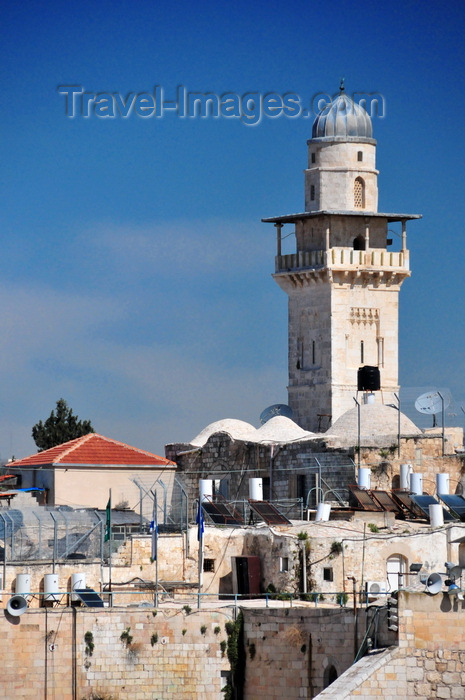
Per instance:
{"type": "Point", "coordinates": [200, 523]}
{"type": "Point", "coordinates": [154, 528]}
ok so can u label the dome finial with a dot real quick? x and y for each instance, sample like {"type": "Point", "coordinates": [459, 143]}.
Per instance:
{"type": "Point", "coordinates": [341, 86]}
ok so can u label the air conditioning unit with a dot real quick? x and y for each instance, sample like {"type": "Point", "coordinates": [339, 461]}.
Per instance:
{"type": "Point", "coordinates": [375, 589]}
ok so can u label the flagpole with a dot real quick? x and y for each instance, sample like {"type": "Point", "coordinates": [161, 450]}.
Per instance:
{"type": "Point", "coordinates": [107, 538]}
{"type": "Point", "coordinates": [154, 525]}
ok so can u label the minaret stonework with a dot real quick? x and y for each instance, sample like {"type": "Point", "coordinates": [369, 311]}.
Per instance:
{"type": "Point", "coordinates": [343, 279]}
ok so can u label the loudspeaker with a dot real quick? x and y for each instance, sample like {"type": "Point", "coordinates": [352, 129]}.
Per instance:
{"type": "Point", "coordinates": [433, 584]}
{"type": "Point", "coordinates": [17, 605]}
{"type": "Point", "coordinates": [368, 379]}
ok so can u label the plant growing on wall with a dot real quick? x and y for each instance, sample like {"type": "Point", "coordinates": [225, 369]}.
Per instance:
{"type": "Point", "coordinates": [154, 639]}
{"type": "Point", "coordinates": [336, 548]}
{"type": "Point", "coordinates": [187, 609]}
{"type": "Point", "coordinates": [89, 640]}
{"type": "Point", "coordinates": [236, 656]}
{"type": "Point", "coordinates": [126, 637]}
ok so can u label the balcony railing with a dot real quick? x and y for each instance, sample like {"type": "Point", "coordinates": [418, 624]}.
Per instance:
{"type": "Point", "coordinates": [343, 258]}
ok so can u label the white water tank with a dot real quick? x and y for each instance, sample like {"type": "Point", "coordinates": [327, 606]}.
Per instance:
{"type": "Point", "coordinates": [405, 471]}
{"type": "Point", "coordinates": [51, 587]}
{"type": "Point", "coordinates": [205, 489]}
{"type": "Point", "coordinates": [416, 484]}
{"type": "Point", "coordinates": [442, 483]}
{"type": "Point", "coordinates": [256, 489]}
{"type": "Point", "coordinates": [23, 584]}
{"type": "Point", "coordinates": [364, 478]}
{"type": "Point", "coordinates": [436, 515]}
{"type": "Point", "coordinates": [77, 581]}
{"type": "Point", "coordinates": [322, 512]}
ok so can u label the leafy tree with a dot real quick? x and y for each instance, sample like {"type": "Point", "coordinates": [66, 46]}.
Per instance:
{"type": "Point", "coordinates": [62, 425]}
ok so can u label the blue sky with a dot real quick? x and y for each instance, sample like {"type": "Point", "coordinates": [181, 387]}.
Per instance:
{"type": "Point", "coordinates": [135, 269]}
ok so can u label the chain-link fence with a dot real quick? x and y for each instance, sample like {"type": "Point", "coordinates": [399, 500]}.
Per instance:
{"type": "Point", "coordinates": [36, 534]}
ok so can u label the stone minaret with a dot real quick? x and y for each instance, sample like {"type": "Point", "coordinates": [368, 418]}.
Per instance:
{"type": "Point", "coordinates": [343, 280]}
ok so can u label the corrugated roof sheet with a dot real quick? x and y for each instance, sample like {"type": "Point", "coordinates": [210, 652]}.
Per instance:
{"type": "Point", "coordinates": [92, 450]}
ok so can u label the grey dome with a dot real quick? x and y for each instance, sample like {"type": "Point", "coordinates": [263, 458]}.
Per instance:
{"type": "Point", "coordinates": [341, 119]}
{"type": "Point", "coordinates": [378, 425]}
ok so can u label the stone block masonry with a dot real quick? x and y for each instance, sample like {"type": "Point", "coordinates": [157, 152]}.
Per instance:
{"type": "Point", "coordinates": [71, 654]}
{"type": "Point", "coordinates": [429, 662]}
{"type": "Point", "coordinates": [79, 653]}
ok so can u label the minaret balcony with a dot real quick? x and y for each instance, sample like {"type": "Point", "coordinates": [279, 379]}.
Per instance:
{"type": "Point", "coordinates": [345, 259]}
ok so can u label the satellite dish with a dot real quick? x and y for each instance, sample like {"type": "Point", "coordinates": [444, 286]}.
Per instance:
{"type": "Point", "coordinates": [433, 584]}
{"type": "Point", "coordinates": [277, 409]}
{"type": "Point", "coordinates": [431, 403]}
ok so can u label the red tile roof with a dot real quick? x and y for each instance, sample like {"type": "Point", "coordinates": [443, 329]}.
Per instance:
{"type": "Point", "coordinates": [92, 450]}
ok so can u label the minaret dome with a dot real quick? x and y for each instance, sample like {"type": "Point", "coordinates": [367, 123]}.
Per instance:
{"type": "Point", "coordinates": [342, 119]}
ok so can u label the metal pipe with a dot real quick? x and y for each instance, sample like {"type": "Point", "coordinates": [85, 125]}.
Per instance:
{"type": "Point", "coordinates": [55, 541]}
{"type": "Point", "coordinates": [442, 416]}
{"type": "Point", "coordinates": [398, 424]}
{"type": "Point", "coordinates": [358, 430]}
{"type": "Point", "coordinates": [4, 551]}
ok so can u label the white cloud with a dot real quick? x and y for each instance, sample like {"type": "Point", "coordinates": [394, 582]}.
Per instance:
{"type": "Point", "coordinates": [192, 248]}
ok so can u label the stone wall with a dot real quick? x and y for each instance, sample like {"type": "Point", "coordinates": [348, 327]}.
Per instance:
{"type": "Point", "coordinates": [174, 654]}
{"type": "Point", "coordinates": [290, 653]}
{"type": "Point", "coordinates": [425, 455]}
{"type": "Point", "coordinates": [429, 662]}
{"type": "Point", "coordinates": [292, 466]}
{"type": "Point", "coordinates": [161, 656]}
{"type": "Point", "coordinates": [235, 462]}
{"type": "Point", "coordinates": [170, 655]}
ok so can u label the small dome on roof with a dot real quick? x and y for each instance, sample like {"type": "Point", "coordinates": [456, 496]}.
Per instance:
{"type": "Point", "coordinates": [237, 429]}
{"type": "Point", "coordinates": [281, 429]}
{"type": "Point", "coordinates": [341, 119]}
{"type": "Point", "coordinates": [277, 429]}
{"type": "Point", "coordinates": [377, 422]}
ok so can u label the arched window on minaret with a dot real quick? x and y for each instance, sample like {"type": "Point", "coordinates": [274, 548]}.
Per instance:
{"type": "Point", "coordinates": [359, 243]}
{"type": "Point", "coordinates": [359, 193]}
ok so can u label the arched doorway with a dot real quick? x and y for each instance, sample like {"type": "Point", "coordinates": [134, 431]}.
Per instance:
{"type": "Point", "coordinates": [396, 565]}
{"type": "Point", "coordinates": [329, 675]}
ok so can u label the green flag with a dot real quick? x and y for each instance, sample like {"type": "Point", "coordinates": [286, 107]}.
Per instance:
{"type": "Point", "coordinates": [108, 522]}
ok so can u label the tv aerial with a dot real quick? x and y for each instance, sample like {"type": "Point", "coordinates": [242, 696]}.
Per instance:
{"type": "Point", "coordinates": [432, 403]}
{"type": "Point", "coordinates": [277, 409]}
